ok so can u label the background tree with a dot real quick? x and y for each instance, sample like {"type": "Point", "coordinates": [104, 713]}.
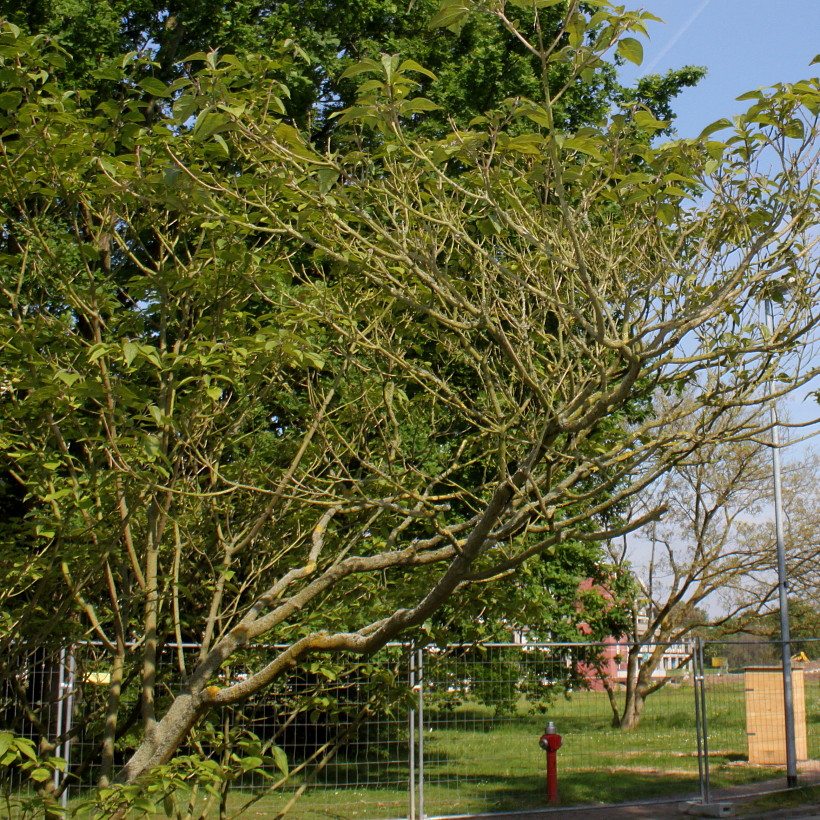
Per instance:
{"type": "Point", "coordinates": [706, 567]}
{"type": "Point", "coordinates": [476, 63]}
{"type": "Point", "coordinates": [800, 482]}
{"type": "Point", "coordinates": [804, 627]}
{"type": "Point", "coordinates": [309, 397]}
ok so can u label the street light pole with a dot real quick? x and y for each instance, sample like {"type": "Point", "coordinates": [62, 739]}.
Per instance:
{"type": "Point", "coordinates": [782, 580]}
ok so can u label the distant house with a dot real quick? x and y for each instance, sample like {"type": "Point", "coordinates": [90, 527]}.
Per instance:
{"type": "Point", "coordinates": [675, 661]}
{"type": "Point", "coordinates": [615, 651]}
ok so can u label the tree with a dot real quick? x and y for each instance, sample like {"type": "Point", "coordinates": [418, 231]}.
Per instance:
{"type": "Point", "coordinates": [476, 63]}
{"type": "Point", "coordinates": [757, 642]}
{"type": "Point", "coordinates": [311, 396]}
{"type": "Point", "coordinates": [804, 627]}
{"type": "Point", "coordinates": [800, 523]}
{"type": "Point", "coordinates": [696, 551]}
{"type": "Point", "coordinates": [707, 548]}
{"type": "Point", "coordinates": [800, 483]}
{"type": "Point", "coordinates": [477, 67]}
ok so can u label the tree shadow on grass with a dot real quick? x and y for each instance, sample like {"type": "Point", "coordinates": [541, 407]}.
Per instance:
{"type": "Point", "coordinates": [605, 786]}
{"type": "Point", "coordinates": [478, 719]}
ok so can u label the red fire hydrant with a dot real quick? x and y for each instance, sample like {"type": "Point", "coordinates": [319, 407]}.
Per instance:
{"type": "Point", "coordinates": [551, 742]}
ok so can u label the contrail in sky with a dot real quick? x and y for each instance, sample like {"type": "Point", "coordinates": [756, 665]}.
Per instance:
{"type": "Point", "coordinates": [671, 44]}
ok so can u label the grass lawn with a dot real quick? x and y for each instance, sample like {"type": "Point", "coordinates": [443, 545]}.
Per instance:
{"type": "Point", "coordinates": [478, 761]}
{"type": "Point", "coordinates": [805, 797]}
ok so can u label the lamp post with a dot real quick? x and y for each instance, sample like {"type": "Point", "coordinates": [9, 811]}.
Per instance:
{"type": "Point", "coordinates": [782, 580]}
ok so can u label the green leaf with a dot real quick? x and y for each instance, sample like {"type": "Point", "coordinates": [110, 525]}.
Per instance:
{"type": "Point", "coordinates": [451, 14]}
{"type": "Point", "coordinates": [152, 355]}
{"type": "Point", "coordinates": [666, 213]}
{"type": "Point", "coordinates": [631, 49]}
{"type": "Point", "coordinates": [294, 142]}
{"type": "Point", "coordinates": [645, 120]}
{"type": "Point", "coordinates": [327, 179]}
{"type": "Point", "coordinates": [67, 378]}
{"type": "Point", "coordinates": [280, 759]}
{"type": "Point", "coordinates": [58, 494]}
{"type": "Point", "coordinates": [489, 225]}
{"type": "Point", "coordinates": [585, 145]}
{"type": "Point", "coordinates": [108, 166]}
{"type": "Point", "coordinates": [130, 351]}
{"type": "Point", "coordinates": [154, 86]}
{"type": "Point", "coordinates": [208, 123]}
{"type": "Point", "coordinates": [249, 763]}
{"type": "Point", "coordinates": [24, 745]}
{"type": "Point", "coordinates": [795, 129]}
{"type": "Point", "coordinates": [576, 26]}
{"type": "Point", "coordinates": [538, 115]}
{"type": "Point", "coordinates": [363, 66]}
{"type": "Point", "coordinates": [222, 144]}
{"type": "Point", "coordinates": [673, 190]}
{"type": "Point", "coordinates": [717, 125]}
{"type": "Point", "coordinates": [417, 104]}
{"type": "Point", "coordinates": [9, 100]}
{"type": "Point", "coordinates": [97, 351]}
{"type": "Point", "coordinates": [40, 774]}
{"type": "Point", "coordinates": [412, 65]}
{"type": "Point", "coordinates": [185, 107]}
{"type": "Point", "coordinates": [532, 144]}
{"type": "Point", "coordinates": [6, 740]}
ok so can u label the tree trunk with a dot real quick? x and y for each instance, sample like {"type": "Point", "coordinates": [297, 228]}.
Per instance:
{"type": "Point", "coordinates": [111, 714]}
{"type": "Point", "coordinates": [633, 705]}
{"type": "Point", "coordinates": [631, 717]}
{"type": "Point", "coordinates": [606, 682]}
{"type": "Point", "coordinates": [158, 747]}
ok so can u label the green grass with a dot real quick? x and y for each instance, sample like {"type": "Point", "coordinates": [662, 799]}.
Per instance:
{"type": "Point", "coordinates": [808, 796]}
{"type": "Point", "coordinates": [598, 763]}
{"type": "Point", "coordinates": [477, 761]}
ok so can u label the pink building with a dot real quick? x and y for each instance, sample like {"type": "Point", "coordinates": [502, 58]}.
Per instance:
{"type": "Point", "coordinates": [615, 652]}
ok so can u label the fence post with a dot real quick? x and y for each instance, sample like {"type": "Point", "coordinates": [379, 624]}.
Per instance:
{"type": "Point", "coordinates": [59, 723]}
{"type": "Point", "coordinates": [782, 581]}
{"type": "Point", "coordinates": [700, 681]}
{"type": "Point", "coordinates": [411, 750]}
{"type": "Point", "coordinates": [420, 683]}
{"type": "Point", "coordinates": [70, 685]}
{"type": "Point", "coordinates": [696, 677]}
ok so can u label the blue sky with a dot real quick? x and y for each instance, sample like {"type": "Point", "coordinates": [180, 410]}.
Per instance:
{"type": "Point", "coordinates": [745, 44]}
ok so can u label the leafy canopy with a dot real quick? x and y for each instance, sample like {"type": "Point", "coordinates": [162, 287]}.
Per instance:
{"type": "Point", "coordinates": [265, 391]}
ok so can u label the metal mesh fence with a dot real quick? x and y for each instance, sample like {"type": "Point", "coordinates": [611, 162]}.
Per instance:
{"type": "Point", "coordinates": [744, 714]}
{"type": "Point", "coordinates": [446, 731]}
{"type": "Point", "coordinates": [345, 734]}
{"type": "Point", "coordinates": [486, 708]}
